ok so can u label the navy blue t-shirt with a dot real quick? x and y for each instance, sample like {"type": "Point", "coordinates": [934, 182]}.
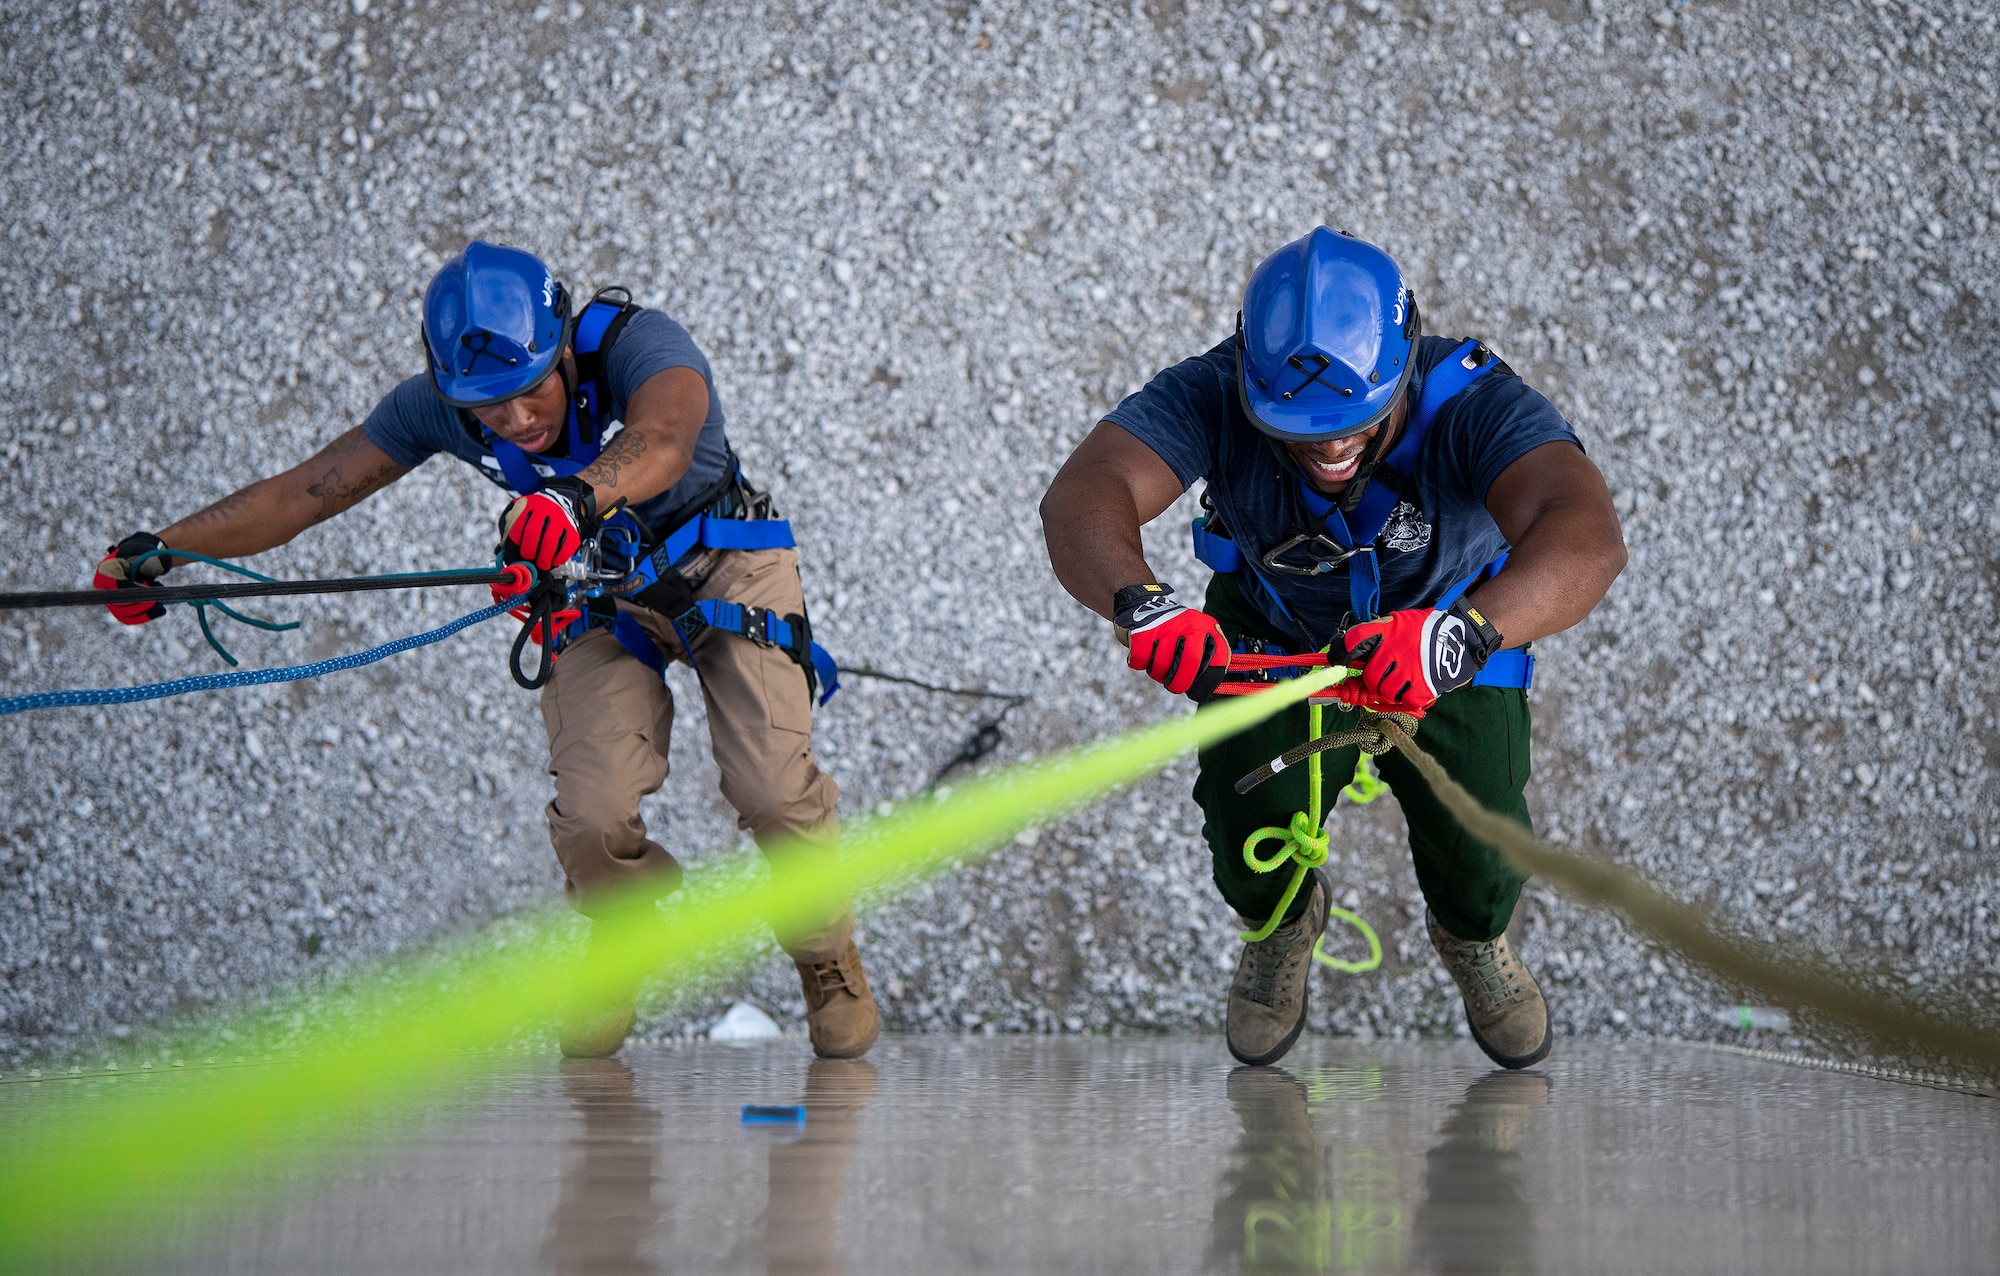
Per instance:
{"type": "Point", "coordinates": [1191, 416]}
{"type": "Point", "coordinates": [412, 423]}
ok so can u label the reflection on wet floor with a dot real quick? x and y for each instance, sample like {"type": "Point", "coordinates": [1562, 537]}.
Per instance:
{"type": "Point", "coordinates": [608, 1203]}
{"type": "Point", "coordinates": [1039, 1155]}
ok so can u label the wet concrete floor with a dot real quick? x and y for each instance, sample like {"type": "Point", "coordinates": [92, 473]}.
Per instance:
{"type": "Point", "coordinates": [942, 1154]}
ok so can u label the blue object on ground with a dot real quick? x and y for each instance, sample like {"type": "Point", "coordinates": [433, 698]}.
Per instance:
{"type": "Point", "coordinates": [774, 1114]}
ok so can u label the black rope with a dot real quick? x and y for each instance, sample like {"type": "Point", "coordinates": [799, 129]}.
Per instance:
{"type": "Point", "coordinates": [985, 737]}
{"type": "Point", "coordinates": [245, 589]}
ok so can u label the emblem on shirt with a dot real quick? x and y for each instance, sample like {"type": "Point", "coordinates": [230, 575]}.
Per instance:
{"type": "Point", "coordinates": [1406, 529]}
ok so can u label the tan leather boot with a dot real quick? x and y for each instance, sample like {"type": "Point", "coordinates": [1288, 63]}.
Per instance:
{"type": "Point", "coordinates": [841, 1016]}
{"type": "Point", "coordinates": [1267, 999]}
{"type": "Point", "coordinates": [1503, 1004]}
{"type": "Point", "coordinates": [597, 1018]}
{"type": "Point", "coordinates": [594, 1028]}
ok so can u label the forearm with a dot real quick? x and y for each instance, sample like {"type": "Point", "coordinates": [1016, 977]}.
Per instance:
{"type": "Point", "coordinates": [638, 465]}
{"type": "Point", "coordinates": [1094, 542]}
{"type": "Point", "coordinates": [261, 516]}
{"type": "Point", "coordinates": [1558, 571]}
{"type": "Point", "coordinates": [271, 511]}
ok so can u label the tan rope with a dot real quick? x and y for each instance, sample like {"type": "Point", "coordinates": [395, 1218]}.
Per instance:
{"type": "Point", "coordinates": [1884, 1020]}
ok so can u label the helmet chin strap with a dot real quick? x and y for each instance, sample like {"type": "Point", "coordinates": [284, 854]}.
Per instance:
{"type": "Point", "coordinates": [1371, 456]}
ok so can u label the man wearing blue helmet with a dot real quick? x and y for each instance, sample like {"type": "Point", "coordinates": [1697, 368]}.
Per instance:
{"type": "Point", "coordinates": [1404, 501]}
{"type": "Point", "coordinates": [599, 421]}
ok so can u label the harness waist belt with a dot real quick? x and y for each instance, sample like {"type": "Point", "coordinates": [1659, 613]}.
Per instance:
{"type": "Point", "coordinates": [704, 531]}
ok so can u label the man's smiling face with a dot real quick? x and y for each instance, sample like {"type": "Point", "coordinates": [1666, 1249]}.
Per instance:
{"type": "Point", "coordinates": [1330, 466]}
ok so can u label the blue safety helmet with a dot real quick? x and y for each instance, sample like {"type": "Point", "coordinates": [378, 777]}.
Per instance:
{"type": "Point", "coordinates": [495, 325]}
{"type": "Point", "coordinates": [1328, 332]}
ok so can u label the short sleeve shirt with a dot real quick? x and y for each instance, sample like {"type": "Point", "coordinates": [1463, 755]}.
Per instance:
{"type": "Point", "coordinates": [1191, 415]}
{"type": "Point", "coordinates": [412, 423]}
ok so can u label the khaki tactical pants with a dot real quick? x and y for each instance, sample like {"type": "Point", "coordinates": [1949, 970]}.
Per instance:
{"type": "Point", "coordinates": [609, 719]}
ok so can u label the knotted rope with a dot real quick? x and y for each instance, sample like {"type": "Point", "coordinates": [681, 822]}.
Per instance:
{"type": "Point", "coordinates": [1305, 843]}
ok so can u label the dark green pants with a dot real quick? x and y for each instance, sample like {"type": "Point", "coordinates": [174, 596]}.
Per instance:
{"type": "Point", "coordinates": [1479, 734]}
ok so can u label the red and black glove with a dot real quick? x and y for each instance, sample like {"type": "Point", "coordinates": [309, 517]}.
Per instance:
{"type": "Point", "coordinates": [1409, 658]}
{"type": "Point", "coordinates": [115, 571]}
{"type": "Point", "coordinates": [550, 525]}
{"type": "Point", "coordinates": [1181, 649]}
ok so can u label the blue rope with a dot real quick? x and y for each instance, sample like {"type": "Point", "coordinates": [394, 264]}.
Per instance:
{"type": "Point", "coordinates": [246, 678]}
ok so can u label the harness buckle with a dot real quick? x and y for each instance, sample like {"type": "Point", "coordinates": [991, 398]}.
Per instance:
{"type": "Point", "coordinates": [1323, 552]}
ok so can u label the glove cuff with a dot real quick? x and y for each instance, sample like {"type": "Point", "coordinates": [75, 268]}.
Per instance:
{"type": "Point", "coordinates": [1127, 603]}
{"type": "Point", "coordinates": [580, 494]}
{"type": "Point", "coordinates": [134, 545]}
{"type": "Point", "coordinates": [1482, 638]}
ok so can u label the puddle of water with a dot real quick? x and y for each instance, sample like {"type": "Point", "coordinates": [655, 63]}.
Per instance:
{"type": "Point", "coordinates": [1051, 1155]}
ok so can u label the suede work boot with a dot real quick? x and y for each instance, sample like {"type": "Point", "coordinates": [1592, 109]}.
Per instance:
{"type": "Point", "coordinates": [1267, 999]}
{"type": "Point", "coordinates": [600, 1013]}
{"type": "Point", "coordinates": [594, 1028]}
{"type": "Point", "coordinates": [841, 1016]}
{"type": "Point", "coordinates": [1504, 1006]}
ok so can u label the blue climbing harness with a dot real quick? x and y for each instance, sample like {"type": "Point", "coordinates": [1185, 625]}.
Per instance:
{"type": "Point", "coordinates": [1349, 537]}
{"type": "Point", "coordinates": [725, 517]}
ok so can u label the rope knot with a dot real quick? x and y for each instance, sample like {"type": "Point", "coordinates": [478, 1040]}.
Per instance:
{"type": "Point", "coordinates": [1308, 842]}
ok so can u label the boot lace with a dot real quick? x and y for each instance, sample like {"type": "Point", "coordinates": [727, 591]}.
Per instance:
{"type": "Point", "coordinates": [830, 977]}
{"type": "Point", "coordinates": [1485, 970]}
{"type": "Point", "coordinates": [1270, 960]}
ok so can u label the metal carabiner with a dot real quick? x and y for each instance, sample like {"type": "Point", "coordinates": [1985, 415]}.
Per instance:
{"type": "Point", "coordinates": [1325, 553]}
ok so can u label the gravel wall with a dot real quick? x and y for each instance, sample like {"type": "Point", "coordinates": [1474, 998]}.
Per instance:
{"type": "Point", "coordinates": [1749, 250]}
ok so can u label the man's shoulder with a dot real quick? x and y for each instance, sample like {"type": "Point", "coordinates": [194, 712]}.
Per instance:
{"type": "Point", "coordinates": [413, 404]}
{"type": "Point", "coordinates": [411, 422]}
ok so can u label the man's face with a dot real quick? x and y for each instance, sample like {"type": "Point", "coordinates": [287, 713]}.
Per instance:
{"type": "Point", "coordinates": [1329, 466]}
{"type": "Point", "coordinates": [532, 421]}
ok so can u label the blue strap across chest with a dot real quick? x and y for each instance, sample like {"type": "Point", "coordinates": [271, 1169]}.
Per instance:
{"type": "Point", "coordinates": [1357, 531]}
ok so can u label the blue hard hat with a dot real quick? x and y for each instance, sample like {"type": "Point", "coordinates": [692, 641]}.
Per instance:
{"type": "Point", "coordinates": [1328, 332]}
{"type": "Point", "coordinates": [495, 324]}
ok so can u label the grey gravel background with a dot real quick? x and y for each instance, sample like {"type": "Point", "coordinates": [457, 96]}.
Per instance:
{"type": "Point", "coordinates": [1750, 253]}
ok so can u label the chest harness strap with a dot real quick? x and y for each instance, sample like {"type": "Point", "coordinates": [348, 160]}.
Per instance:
{"type": "Point", "coordinates": [1350, 537]}
{"type": "Point", "coordinates": [728, 516]}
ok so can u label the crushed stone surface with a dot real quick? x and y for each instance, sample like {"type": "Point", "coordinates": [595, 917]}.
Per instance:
{"type": "Point", "coordinates": [1750, 253]}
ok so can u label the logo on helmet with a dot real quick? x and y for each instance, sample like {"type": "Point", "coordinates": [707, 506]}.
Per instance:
{"type": "Point", "coordinates": [548, 290]}
{"type": "Point", "coordinates": [1397, 316]}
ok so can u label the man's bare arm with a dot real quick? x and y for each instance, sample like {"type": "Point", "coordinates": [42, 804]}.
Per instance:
{"type": "Point", "coordinates": [1110, 487]}
{"type": "Point", "coordinates": [1553, 508]}
{"type": "Point", "coordinates": [650, 455]}
{"type": "Point", "coordinates": [271, 511]}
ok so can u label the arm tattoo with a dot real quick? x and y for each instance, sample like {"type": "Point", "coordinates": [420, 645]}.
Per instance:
{"type": "Point", "coordinates": [623, 451]}
{"type": "Point", "coordinates": [336, 491]}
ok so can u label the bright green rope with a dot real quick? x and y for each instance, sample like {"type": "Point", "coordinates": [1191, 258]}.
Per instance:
{"type": "Point", "coordinates": [1305, 847]}
{"type": "Point", "coordinates": [1366, 786]}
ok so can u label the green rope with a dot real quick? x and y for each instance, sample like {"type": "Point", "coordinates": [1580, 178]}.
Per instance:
{"type": "Point", "coordinates": [201, 606]}
{"type": "Point", "coordinates": [1305, 846]}
{"type": "Point", "coordinates": [1366, 786]}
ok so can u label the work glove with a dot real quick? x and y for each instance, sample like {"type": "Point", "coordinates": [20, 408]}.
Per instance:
{"type": "Point", "coordinates": [1409, 658]}
{"type": "Point", "coordinates": [115, 571]}
{"type": "Point", "coordinates": [1181, 649]}
{"type": "Point", "coordinates": [548, 526]}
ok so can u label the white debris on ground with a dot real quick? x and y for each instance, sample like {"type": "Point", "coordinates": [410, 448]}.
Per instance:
{"type": "Point", "coordinates": [743, 1022]}
{"type": "Point", "coordinates": [1751, 254]}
